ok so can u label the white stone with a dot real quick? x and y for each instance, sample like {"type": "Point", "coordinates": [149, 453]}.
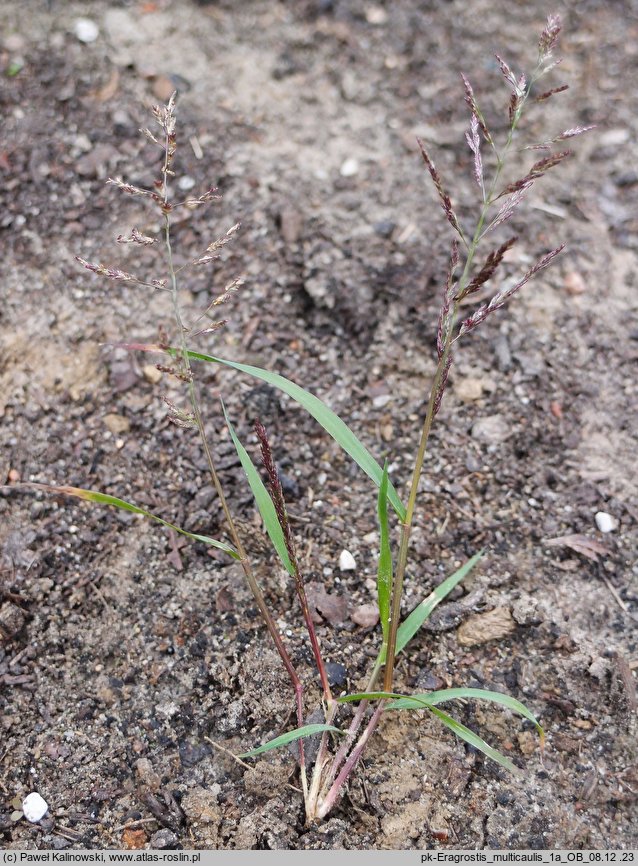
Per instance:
{"type": "Point", "coordinates": [86, 30]}
{"type": "Point", "coordinates": [605, 522]}
{"type": "Point", "coordinates": [349, 168]}
{"type": "Point", "coordinates": [34, 807]}
{"type": "Point", "coordinates": [346, 561]}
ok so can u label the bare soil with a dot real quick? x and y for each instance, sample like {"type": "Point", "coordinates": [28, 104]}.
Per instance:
{"type": "Point", "coordinates": [123, 653]}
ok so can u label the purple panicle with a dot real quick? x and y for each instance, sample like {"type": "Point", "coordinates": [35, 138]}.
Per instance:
{"type": "Point", "coordinates": [500, 299]}
{"type": "Point", "coordinates": [446, 202]}
{"type": "Point", "coordinates": [549, 36]}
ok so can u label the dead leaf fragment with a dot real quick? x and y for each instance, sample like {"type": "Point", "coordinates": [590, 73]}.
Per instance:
{"type": "Point", "coordinates": [581, 544]}
{"type": "Point", "coordinates": [326, 606]}
{"type": "Point", "coordinates": [484, 627]}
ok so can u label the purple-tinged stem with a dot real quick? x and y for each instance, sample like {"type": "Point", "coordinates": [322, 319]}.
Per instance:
{"type": "Point", "coordinates": [277, 496]}
{"type": "Point", "coordinates": [331, 797]}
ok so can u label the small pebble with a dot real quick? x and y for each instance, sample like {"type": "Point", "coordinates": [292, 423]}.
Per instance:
{"type": "Point", "coordinates": [492, 430]}
{"type": "Point", "coordinates": [347, 561]}
{"type": "Point", "coordinates": [469, 389]}
{"type": "Point", "coordinates": [164, 839]}
{"type": "Point", "coordinates": [337, 674]}
{"type": "Point", "coordinates": [116, 423]}
{"type": "Point", "coordinates": [366, 615]}
{"type": "Point", "coordinates": [186, 183]}
{"type": "Point", "coordinates": [34, 807]}
{"type": "Point", "coordinates": [605, 522]}
{"type": "Point", "coordinates": [349, 168]}
{"type": "Point", "coordinates": [86, 30]}
{"type": "Point", "coordinates": [151, 373]}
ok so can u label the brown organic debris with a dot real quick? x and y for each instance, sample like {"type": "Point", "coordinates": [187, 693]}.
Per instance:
{"type": "Point", "coordinates": [484, 627]}
{"type": "Point", "coordinates": [588, 547]}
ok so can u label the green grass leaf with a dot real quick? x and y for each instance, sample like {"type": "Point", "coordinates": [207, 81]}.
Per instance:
{"type": "Point", "coordinates": [474, 740]}
{"type": "Point", "coordinates": [421, 701]}
{"type": "Point", "coordinates": [328, 419]}
{"type": "Point", "coordinates": [368, 696]}
{"type": "Point", "coordinates": [105, 499]}
{"type": "Point", "coordinates": [290, 737]}
{"type": "Point", "coordinates": [412, 623]}
{"type": "Point", "coordinates": [262, 498]}
{"type": "Point", "coordinates": [384, 570]}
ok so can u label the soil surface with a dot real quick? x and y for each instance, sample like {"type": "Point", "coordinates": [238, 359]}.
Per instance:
{"type": "Point", "coordinates": [123, 651]}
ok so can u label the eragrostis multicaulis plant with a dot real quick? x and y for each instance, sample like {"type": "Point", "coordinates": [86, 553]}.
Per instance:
{"type": "Point", "coordinates": [341, 744]}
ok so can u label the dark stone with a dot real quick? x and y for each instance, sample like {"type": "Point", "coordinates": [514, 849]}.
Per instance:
{"type": "Point", "coordinates": [336, 674]}
{"type": "Point", "coordinates": [192, 753]}
{"type": "Point", "coordinates": [165, 839]}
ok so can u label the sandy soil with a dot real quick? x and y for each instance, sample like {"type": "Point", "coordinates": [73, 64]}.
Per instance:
{"type": "Point", "coordinates": [123, 653]}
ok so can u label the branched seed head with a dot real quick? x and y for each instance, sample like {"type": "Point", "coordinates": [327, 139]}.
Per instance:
{"type": "Point", "coordinates": [442, 384]}
{"type": "Point", "coordinates": [276, 492]}
{"type": "Point", "coordinates": [548, 93]}
{"type": "Point", "coordinates": [178, 416]}
{"type": "Point", "coordinates": [487, 271]}
{"type": "Point", "coordinates": [549, 36]}
{"type": "Point", "coordinates": [111, 273]}
{"type": "Point", "coordinates": [129, 188]}
{"type": "Point", "coordinates": [501, 298]}
{"type": "Point", "coordinates": [474, 143]}
{"type": "Point", "coordinates": [445, 317]}
{"type": "Point", "coordinates": [476, 113]}
{"type": "Point", "coordinates": [446, 202]}
{"type": "Point", "coordinates": [509, 206]}
{"type": "Point", "coordinates": [136, 238]}
{"type": "Point", "coordinates": [507, 72]}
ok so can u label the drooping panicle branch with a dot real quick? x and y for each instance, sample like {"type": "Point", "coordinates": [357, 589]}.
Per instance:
{"type": "Point", "coordinates": [499, 300]}
{"type": "Point", "coordinates": [492, 262]}
{"type": "Point", "coordinates": [445, 320]}
{"type": "Point", "coordinates": [476, 112]}
{"type": "Point", "coordinates": [446, 202]}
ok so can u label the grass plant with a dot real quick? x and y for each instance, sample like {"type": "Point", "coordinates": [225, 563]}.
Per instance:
{"type": "Point", "coordinates": [341, 745]}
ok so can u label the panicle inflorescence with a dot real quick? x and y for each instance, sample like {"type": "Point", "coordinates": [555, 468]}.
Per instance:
{"type": "Point", "coordinates": [476, 113]}
{"type": "Point", "coordinates": [549, 36]}
{"type": "Point", "coordinates": [474, 143]}
{"type": "Point", "coordinates": [136, 237]}
{"type": "Point", "coordinates": [503, 296]}
{"type": "Point", "coordinates": [446, 202]}
{"type": "Point", "coordinates": [276, 491]}
{"type": "Point", "coordinates": [489, 268]}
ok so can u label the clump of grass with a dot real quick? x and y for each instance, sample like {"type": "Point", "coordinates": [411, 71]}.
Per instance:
{"type": "Point", "coordinates": [340, 748]}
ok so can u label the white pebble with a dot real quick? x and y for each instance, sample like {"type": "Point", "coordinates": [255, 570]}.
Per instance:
{"type": "Point", "coordinates": [186, 183]}
{"type": "Point", "coordinates": [349, 168]}
{"type": "Point", "coordinates": [86, 30]}
{"type": "Point", "coordinates": [605, 522]}
{"type": "Point", "coordinates": [34, 807]}
{"type": "Point", "coordinates": [346, 561]}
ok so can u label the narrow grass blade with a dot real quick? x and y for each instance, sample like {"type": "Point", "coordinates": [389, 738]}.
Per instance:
{"type": "Point", "coordinates": [429, 699]}
{"type": "Point", "coordinates": [262, 498]}
{"type": "Point", "coordinates": [290, 737]}
{"type": "Point", "coordinates": [384, 571]}
{"type": "Point", "coordinates": [474, 740]}
{"type": "Point", "coordinates": [328, 419]}
{"type": "Point", "coordinates": [105, 499]}
{"type": "Point", "coordinates": [368, 696]}
{"type": "Point", "coordinates": [410, 626]}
